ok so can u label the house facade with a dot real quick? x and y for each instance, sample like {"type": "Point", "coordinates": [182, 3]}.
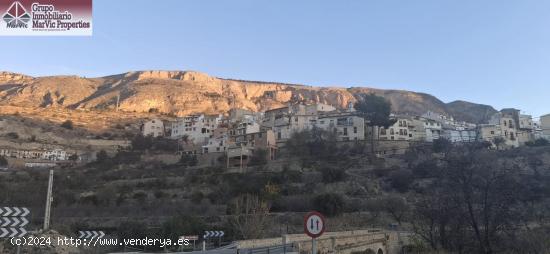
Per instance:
{"type": "Point", "coordinates": [154, 128]}
{"type": "Point", "coordinates": [197, 128]}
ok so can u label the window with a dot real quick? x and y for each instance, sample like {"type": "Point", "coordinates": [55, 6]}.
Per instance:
{"type": "Point", "coordinates": [492, 132]}
{"type": "Point", "coordinates": [345, 131]}
{"type": "Point", "coordinates": [278, 135]}
{"type": "Point", "coordinates": [354, 129]}
{"type": "Point", "coordinates": [401, 132]}
{"type": "Point", "coordinates": [391, 131]}
{"type": "Point", "coordinates": [382, 131]}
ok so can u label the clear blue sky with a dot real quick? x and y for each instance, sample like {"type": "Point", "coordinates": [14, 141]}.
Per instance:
{"type": "Point", "coordinates": [494, 52]}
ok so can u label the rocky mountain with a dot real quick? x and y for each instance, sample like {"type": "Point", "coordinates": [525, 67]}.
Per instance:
{"type": "Point", "coordinates": [184, 92]}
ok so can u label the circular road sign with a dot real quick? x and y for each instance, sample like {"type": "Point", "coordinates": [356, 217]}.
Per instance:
{"type": "Point", "coordinates": [314, 224]}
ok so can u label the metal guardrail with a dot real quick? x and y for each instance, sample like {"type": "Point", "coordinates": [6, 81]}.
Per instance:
{"type": "Point", "coordinates": [269, 250]}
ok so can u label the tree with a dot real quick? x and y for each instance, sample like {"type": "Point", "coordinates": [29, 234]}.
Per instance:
{"type": "Point", "coordinates": [258, 158]}
{"type": "Point", "coordinates": [441, 145]}
{"type": "Point", "coordinates": [68, 124]}
{"type": "Point", "coordinates": [396, 206]}
{"type": "Point", "coordinates": [376, 110]}
{"type": "Point", "coordinates": [102, 156]}
{"type": "Point", "coordinates": [3, 161]}
{"type": "Point", "coordinates": [401, 179]}
{"type": "Point", "coordinates": [329, 204]}
{"type": "Point", "coordinates": [141, 143]}
{"type": "Point", "coordinates": [249, 215]}
{"type": "Point", "coordinates": [499, 141]}
{"type": "Point", "coordinates": [476, 203]}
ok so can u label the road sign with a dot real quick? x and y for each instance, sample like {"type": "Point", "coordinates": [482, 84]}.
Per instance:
{"type": "Point", "coordinates": [190, 237]}
{"type": "Point", "coordinates": [91, 234]}
{"type": "Point", "coordinates": [12, 232]}
{"type": "Point", "coordinates": [12, 221]}
{"type": "Point", "coordinates": [314, 224]}
{"type": "Point", "coordinates": [209, 234]}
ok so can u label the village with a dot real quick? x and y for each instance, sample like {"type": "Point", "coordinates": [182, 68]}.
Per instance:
{"type": "Point", "coordinates": [234, 137]}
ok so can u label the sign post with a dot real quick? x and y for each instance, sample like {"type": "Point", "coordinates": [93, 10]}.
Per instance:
{"type": "Point", "coordinates": [314, 226]}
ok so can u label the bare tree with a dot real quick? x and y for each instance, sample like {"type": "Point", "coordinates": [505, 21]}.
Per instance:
{"type": "Point", "coordinates": [250, 215]}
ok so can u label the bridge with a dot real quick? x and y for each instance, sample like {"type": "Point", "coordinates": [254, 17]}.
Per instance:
{"type": "Point", "coordinates": [345, 242]}
{"type": "Point", "coordinates": [371, 241]}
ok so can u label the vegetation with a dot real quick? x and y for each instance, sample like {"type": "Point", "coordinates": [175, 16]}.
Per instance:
{"type": "Point", "coordinates": [68, 124]}
{"type": "Point", "coordinates": [329, 204]}
{"type": "Point", "coordinates": [376, 111]}
{"type": "Point", "coordinates": [3, 161]}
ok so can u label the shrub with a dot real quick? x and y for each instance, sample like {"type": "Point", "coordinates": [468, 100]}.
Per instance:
{"type": "Point", "coordinates": [441, 145]}
{"type": "Point", "coordinates": [3, 161]}
{"type": "Point", "coordinates": [140, 196]}
{"type": "Point", "coordinates": [196, 197]}
{"type": "Point", "coordinates": [140, 142]}
{"type": "Point", "coordinates": [102, 156]}
{"type": "Point", "coordinates": [159, 194]}
{"type": "Point", "coordinates": [401, 180]}
{"type": "Point", "coordinates": [12, 135]}
{"type": "Point", "coordinates": [329, 204]}
{"type": "Point", "coordinates": [67, 124]}
{"type": "Point", "coordinates": [424, 169]}
{"type": "Point", "coordinates": [332, 174]}
{"type": "Point", "coordinates": [258, 158]}
{"type": "Point", "coordinates": [189, 160]}
{"type": "Point", "coordinates": [538, 142]}
{"type": "Point", "coordinates": [182, 225]}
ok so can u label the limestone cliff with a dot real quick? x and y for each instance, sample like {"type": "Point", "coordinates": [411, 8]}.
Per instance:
{"type": "Point", "coordinates": [184, 92]}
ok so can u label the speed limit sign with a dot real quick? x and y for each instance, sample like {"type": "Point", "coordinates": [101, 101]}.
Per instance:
{"type": "Point", "coordinates": [314, 224]}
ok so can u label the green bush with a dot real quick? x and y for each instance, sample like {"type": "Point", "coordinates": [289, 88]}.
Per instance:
{"type": "Point", "coordinates": [329, 204]}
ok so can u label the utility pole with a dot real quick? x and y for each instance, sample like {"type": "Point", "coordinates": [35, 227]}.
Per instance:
{"type": "Point", "coordinates": [241, 165]}
{"type": "Point", "coordinates": [117, 101]}
{"type": "Point", "coordinates": [49, 199]}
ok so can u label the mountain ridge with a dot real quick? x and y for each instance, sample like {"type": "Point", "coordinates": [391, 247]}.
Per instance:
{"type": "Point", "coordinates": [185, 92]}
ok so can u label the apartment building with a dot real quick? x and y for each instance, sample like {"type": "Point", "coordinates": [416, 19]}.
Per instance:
{"type": "Point", "coordinates": [293, 118]}
{"type": "Point", "coordinates": [400, 130]}
{"type": "Point", "coordinates": [347, 125]}
{"type": "Point", "coordinates": [198, 128]}
{"type": "Point", "coordinates": [154, 128]}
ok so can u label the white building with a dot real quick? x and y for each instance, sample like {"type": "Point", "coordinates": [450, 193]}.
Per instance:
{"type": "Point", "coordinates": [346, 125]}
{"type": "Point", "coordinates": [55, 155]}
{"type": "Point", "coordinates": [507, 126]}
{"type": "Point", "coordinates": [197, 128]}
{"type": "Point", "coordinates": [154, 128]}
{"type": "Point", "coordinates": [545, 126]}
{"type": "Point", "coordinates": [294, 118]}
{"type": "Point", "coordinates": [400, 130]}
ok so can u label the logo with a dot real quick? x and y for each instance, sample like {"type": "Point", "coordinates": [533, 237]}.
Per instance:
{"type": "Point", "coordinates": [16, 16]}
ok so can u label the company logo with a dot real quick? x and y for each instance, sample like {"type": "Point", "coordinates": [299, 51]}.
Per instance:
{"type": "Point", "coordinates": [16, 16]}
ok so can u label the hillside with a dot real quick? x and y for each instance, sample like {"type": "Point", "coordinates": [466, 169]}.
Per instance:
{"type": "Point", "coordinates": [184, 92]}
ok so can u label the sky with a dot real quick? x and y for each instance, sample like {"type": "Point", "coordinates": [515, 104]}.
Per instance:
{"type": "Point", "coordinates": [494, 52]}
